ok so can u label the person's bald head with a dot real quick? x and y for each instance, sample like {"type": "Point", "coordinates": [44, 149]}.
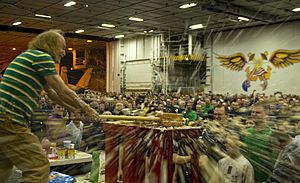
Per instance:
{"type": "Point", "coordinates": [181, 104]}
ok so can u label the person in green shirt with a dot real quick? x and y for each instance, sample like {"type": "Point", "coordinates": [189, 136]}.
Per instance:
{"type": "Point", "coordinates": [190, 114]}
{"type": "Point", "coordinates": [208, 109]}
{"type": "Point", "coordinates": [257, 144]}
{"type": "Point", "coordinates": [30, 73]}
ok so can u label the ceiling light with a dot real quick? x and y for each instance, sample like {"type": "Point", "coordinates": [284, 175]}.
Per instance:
{"type": "Point", "coordinates": [196, 26]}
{"type": "Point", "coordinates": [79, 31]}
{"type": "Point", "coordinates": [105, 28]}
{"type": "Point", "coordinates": [296, 9]}
{"type": "Point", "coordinates": [70, 49]}
{"type": "Point", "coordinates": [187, 5]}
{"type": "Point", "coordinates": [108, 25]}
{"type": "Point", "coordinates": [151, 30]}
{"type": "Point", "coordinates": [243, 19]}
{"type": "Point", "coordinates": [42, 16]}
{"type": "Point", "coordinates": [14, 49]}
{"type": "Point", "coordinates": [233, 20]}
{"type": "Point", "coordinates": [136, 19]}
{"type": "Point", "coordinates": [119, 36]}
{"type": "Point", "coordinates": [145, 31]}
{"type": "Point", "coordinates": [89, 41]}
{"type": "Point", "coordinates": [17, 23]}
{"type": "Point", "coordinates": [71, 3]}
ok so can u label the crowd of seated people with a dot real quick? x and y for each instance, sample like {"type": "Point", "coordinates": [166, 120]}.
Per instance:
{"type": "Point", "coordinates": [240, 141]}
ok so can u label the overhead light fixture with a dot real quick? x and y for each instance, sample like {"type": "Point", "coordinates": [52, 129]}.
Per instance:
{"type": "Point", "coordinates": [151, 30]}
{"type": "Point", "coordinates": [104, 28]}
{"type": "Point", "coordinates": [136, 19]}
{"type": "Point", "coordinates": [243, 19]}
{"type": "Point", "coordinates": [17, 23]}
{"type": "Point", "coordinates": [145, 31]}
{"type": "Point", "coordinates": [89, 41]}
{"type": "Point", "coordinates": [189, 5]}
{"type": "Point", "coordinates": [79, 31]}
{"type": "Point", "coordinates": [70, 49]}
{"type": "Point", "coordinates": [233, 20]}
{"type": "Point", "coordinates": [296, 9]}
{"type": "Point", "coordinates": [119, 36]}
{"type": "Point", "coordinates": [71, 3]}
{"type": "Point", "coordinates": [108, 25]}
{"type": "Point", "coordinates": [196, 26]}
{"type": "Point", "coordinates": [14, 49]}
{"type": "Point", "coordinates": [43, 16]}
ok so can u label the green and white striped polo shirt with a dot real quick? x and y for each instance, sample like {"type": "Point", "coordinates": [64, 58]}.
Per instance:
{"type": "Point", "coordinates": [22, 84]}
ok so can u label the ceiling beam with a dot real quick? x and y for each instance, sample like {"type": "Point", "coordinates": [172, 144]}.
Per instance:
{"type": "Point", "coordinates": [221, 7]}
{"type": "Point", "coordinates": [250, 26]}
{"type": "Point", "coordinates": [37, 31]}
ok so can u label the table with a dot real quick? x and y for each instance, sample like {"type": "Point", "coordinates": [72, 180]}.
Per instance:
{"type": "Point", "coordinates": [141, 143]}
{"type": "Point", "coordinates": [80, 157]}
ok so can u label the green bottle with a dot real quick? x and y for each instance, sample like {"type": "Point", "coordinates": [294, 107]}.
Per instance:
{"type": "Point", "coordinates": [95, 167]}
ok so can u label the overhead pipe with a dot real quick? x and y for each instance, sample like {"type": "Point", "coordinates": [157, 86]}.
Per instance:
{"type": "Point", "coordinates": [190, 44]}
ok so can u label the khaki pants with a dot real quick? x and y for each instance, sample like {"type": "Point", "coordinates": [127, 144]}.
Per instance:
{"type": "Point", "coordinates": [20, 147]}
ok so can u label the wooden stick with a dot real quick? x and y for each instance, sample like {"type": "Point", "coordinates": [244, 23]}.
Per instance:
{"type": "Point", "coordinates": [122, 117]}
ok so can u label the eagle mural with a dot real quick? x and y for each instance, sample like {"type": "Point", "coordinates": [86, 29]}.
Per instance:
{"type": "Point", "coordinates": [279, 59]}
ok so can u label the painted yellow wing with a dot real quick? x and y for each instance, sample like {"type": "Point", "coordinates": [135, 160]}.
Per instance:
{"type": "Point", "coordinates": [234, 62]}
{"type": "Point", "coordinates": [283, 58]}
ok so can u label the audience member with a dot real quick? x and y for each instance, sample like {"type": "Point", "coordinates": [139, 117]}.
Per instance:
{"type": "Point", "coordinates": [287, 166]}
{"type": "Point", "coordinates": [258, 148]}
{"type": "Point", "coordinates": [235, 167]}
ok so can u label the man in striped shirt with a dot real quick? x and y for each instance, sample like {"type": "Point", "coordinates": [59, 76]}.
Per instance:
{"type": "Point", "coordinates": [22, 83]}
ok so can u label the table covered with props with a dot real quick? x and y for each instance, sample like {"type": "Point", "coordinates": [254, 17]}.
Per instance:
{"type": "Point", "coordinates": [140, 149]}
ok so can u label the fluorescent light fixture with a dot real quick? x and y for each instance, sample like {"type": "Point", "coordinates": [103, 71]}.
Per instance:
{"type": "Point", "coordinates": [296, 9]}
{"type": "Point", "coordinates": [136, 19]}
{"type": "Point", "coordinates": [108, 25]}
{"type": "Point", "coordinates": [70, 49]}
{"type": "Point", "coordinates": [104, 28]}
{"type": "Point", "coordinates": [187, 5]}
{"type": "Point", "coordinates": [17, 23]}
{"type": "Point", "coordinates": [151, 30]}
{"type": "Point", "coordinates": [79, 31]}
{"type": "Point", "coordinates": [233, 20]}
{"type": "Point", "coordinates": [119, 36]}
{"type": "Point", "coordinates": [89, 41]}
{"type": "Point", "coordinates": [196, 26]}
{"type": "Point", "coordinates": [42, 16]}
{"type": "Point", "coordinates": [71, 3]}
{"type": "Point", "coordinates": [14, 49]}
{"type": "Point", "coordinates": [243, 19]}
